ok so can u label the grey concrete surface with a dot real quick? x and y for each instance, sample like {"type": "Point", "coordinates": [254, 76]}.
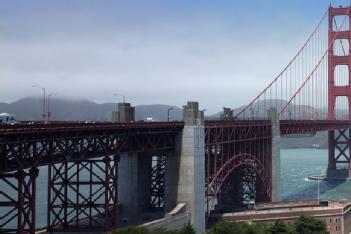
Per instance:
{"type": "Point", "coordinates": [272, 113]}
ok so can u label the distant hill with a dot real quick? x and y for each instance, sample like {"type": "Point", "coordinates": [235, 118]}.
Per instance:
{"type": "Point", "coordinates": [320, 140]}
{"type": "Point", "coordinates": [259, 109]}
{"type": "Point", "coordinates": [30, 108]}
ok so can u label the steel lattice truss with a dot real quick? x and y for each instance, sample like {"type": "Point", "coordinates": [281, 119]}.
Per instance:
{"type": "Point", "coordinates": [72, 150]}
{"type": "Point", "coordinates": [18, 201]}
{"type": "Point", "coordinates": [83, 195]}
{"type": "Point", "coordinates": [339, 148]}
{"type": "Point", "coordinates": [157, 189]}
{"type": "Point", "coordinates": [232, 146]}
{"type": "Point", "coordinates": [288, 127]}
{"type": "Point", "coordinates": [22, 149]}
{"type": "Point", "coordinates": [245, 178]}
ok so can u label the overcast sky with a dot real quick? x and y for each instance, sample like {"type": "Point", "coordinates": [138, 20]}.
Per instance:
{"type": "Point", "coordinates": [220, 53]}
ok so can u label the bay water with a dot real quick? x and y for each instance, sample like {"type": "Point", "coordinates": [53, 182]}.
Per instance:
{"type": "Point", "coordinates": [297, 165]}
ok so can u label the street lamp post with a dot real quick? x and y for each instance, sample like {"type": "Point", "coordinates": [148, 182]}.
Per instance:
{"type": "Point", "coordinates": [43, 88]}
{"type": "Point", "coordinates": [168, 113]}
{"type": "Point", "coordinates": [318, 191]}
{"type": "Point", "coordinates": [49, 112]}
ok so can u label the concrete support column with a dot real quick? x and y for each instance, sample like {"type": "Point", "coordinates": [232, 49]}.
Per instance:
{"type": "Point", "coordinates": [191, 180]}
{"type": "Point", "coordinates": [227, 114]}
{"type": "Point", "coordinates": [172, 163]}
{"type": "Point", "coordinates": [134, 174]}
{"type": "Point", "coordinates": [127, 168]}
{"type": "Point", "coordinates": [125, 113]}
{"type": "Point", "coordinates": [128, 185]}
{"type": "Point", "coordinates": [144, 182]}
{"type": "Point", "coordinates": [273, 115]}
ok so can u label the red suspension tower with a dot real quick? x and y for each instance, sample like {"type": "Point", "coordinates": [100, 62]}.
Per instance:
{"type": "Point", "coordinates": [339, 140]}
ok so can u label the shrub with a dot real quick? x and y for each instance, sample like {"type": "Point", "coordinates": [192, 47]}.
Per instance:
{"type": "Point", "coordinates": [227, 228]}
{"type": "Point", "coordinates": [310, 225]}
{"type": "Point", "coordinates": [131, 230]}
{"type": "Point", "coordinates": [187, 229]}
{"type": "Point", "coordinates": [280, 228]}
{"type": "Point", "coordinates": [304, 225]}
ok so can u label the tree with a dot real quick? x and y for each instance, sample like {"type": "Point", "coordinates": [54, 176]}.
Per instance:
{"type": "Point", "coordinates": [132, 230]}
{"type": "Point", "coordinates": [310, 225]}
{"type": "Point", "coordinates": [187, 229]}
{"type": "Point", "coordinates": [256, 228]}
{"type": "Point", "coordinates": [227, 228]}
{"type": "Point", "coordinates": [281, 228]}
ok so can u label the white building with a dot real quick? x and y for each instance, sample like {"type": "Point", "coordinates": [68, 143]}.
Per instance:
{"type": "Point", "coordinates": [6, 118]}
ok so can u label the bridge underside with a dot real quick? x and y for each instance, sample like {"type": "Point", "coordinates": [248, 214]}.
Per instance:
{"type": "Point", "coordinates": [242, 186]}
{"type": "Point", "coordinates": [17, 201]}
{"type": "Point", "coordinates": [83, 194]}
{"type": "Point", "coordinates": [83, 172]}
{"type": "Point", "coordinates": [238, 158]}
{"type": "Point", "coordinates": [238, 164]}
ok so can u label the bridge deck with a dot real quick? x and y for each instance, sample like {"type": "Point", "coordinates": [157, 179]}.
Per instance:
{"type": "Point", "coordinates": [288, 127]}
{"type": "Point", "coordinates": [26, 144]}
{"type": "Point", "coordinates": [21, 128]}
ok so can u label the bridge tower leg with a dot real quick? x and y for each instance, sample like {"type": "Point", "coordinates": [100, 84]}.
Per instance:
{"type": "Point", "coordinates": [140, 190]}
{"type": "Point", "coordinates": [17, 201]}
{"type": "Point", "coordinates": [134, 189]}
{"type": "Point", "coordinates": [185, 170]}
{"type": "Point", "coordinates": [272, 113]}
{"type": "Point", "coordinates": [339, 140]}
{"type": "Point", "coordinates": [125, 113]}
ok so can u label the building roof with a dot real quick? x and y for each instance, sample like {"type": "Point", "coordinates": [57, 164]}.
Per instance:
{"type": "Point", "coordinates": [7, 114]}
{"type": "Point", "coordinates": [289, 210]}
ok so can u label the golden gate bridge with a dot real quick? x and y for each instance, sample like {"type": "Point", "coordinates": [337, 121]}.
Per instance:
{"type": "Point", "coordinates": [200, 163]}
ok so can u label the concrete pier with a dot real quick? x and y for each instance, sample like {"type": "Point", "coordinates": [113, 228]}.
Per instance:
{"type": "Point", "coordinates": [273, 115]}
{"type": "Point", "coordinates": [227, 114]}
{"type": "Point", "coordinates": [172, 166]}
{"type": "Point", "coordinates": [144, 182]}
{"type": "Point", "coordinates": [185, 170]}
{"type": "Point", "coordinates": [125, 113]}
{"type": "Point", "coordinates": [128, 187]}
{"type": "Point", "coordinates": [134, 188]}
{"type": "Point", "coordinates": [184, 173]}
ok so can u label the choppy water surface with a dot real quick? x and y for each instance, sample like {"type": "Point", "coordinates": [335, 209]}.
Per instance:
{"type": "Point", "coordinates": [297, 165]}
